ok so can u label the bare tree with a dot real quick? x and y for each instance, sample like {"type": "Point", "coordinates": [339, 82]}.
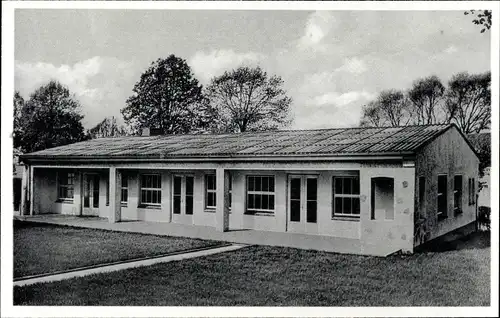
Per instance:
{"type": "Point", "coordinates": [107, 128]}
{"type": "Point", "coordinates": [426, 96]}
{"type": "Point", "coordinates": [468, 101]}
{"type": "Point", "coordinates": [247, 99]}
{"type": "Point", "coordinates": [391, 108]}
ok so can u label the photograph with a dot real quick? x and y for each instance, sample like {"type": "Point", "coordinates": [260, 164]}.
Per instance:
{"type": "Point", "coordinates": [250, 155]}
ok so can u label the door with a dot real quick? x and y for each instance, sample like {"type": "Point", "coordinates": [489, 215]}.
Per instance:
{"type": "Point", "coordinates": [302, 204]}
{"type": "Point", "coordinates": [90, 194]}
{"type": "Point", "coordinates": [182, 199]}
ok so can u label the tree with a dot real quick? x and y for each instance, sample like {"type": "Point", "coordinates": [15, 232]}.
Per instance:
{"type": "Point", "coordinates": [166, 97]}
{"type": "Point", "coordinates": [468, 101]}
{"type": "Point", "coordinates": [482, 143]}
{"type": "Point", "coordinates": [391, 108]}
{"type": "Point", "coordinates": [426, 95]}
{"type": "Point", "coordinates": [247, 99]}
{"type": "Point", "coordinates": [50, 118]}
{"type": "Point", "coordinates": [483, 18]}
{"type": "Point", "coordinates": [18, 108]}
{"type": "Point", "coordinates": [107, 128]}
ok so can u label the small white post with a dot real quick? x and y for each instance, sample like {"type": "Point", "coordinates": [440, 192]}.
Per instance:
{"type": "Point", "coordinates": [115, 186]}
{"type": "Point", "coordinates": [23, 207]}
{"type": "Point", "coordinates": [31, 190]}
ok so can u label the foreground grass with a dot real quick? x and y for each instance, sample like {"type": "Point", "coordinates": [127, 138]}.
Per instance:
{"type": "Point", "coordinates": [45, 248]}
{"type": "Point", "coordinates": [271, 276]}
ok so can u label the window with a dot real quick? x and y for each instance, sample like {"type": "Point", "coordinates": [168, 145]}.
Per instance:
{"type": "Point", "coordinates": [442, 196]}
{"type": "Point", "coordinates": [260, 195]}
{"type": "Point", "coordinates": [151, 189]}
{"type": "Point", "coordinates": [124, 190]}
{"type": "Point", "coordinates": [457, 194]}
{"type": "Point", "coordinates": [177, 194]}
{"type": "Point", "coordinates": [189, 194]}
{"type": "Point", "coordinates": [472, 191]}
{"type": "Point", "coordinates": [346, 196]}
{"type": "Point", "coordinates": [210, 191]}
{"type": "Point", "coordinates": [421, 194]}
{"type": "Point", "coordinates": [66, 184]}
{"type": "Point", "coordinates": [312, 200]}
{"type": "Point", "coordinates": [382, 198]}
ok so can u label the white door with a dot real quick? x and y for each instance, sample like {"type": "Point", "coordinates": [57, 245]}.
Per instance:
{"type": "Point", "coordinates": [90, 204]}
{"type": "Point", "coordinates": [182, 199]}
{"type": "Point", "coordinates": [302, 204]}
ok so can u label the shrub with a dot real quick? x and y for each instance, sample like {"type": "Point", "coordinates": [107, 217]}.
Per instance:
{"type": "Point", "coordinates": [484, 217]}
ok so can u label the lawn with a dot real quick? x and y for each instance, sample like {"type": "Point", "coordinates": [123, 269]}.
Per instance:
{"type": "Point", "coordinates": [45, 248]}
{"type": "Point", "coordinates": [272, 276]}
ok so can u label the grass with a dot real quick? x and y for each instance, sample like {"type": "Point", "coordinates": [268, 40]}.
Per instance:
{"type": "Point", "coordinates": [46, 248]}
{"type": "Point", "coordinates": [272, 276]}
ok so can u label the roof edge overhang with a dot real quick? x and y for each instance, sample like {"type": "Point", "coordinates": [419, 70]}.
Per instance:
{"type": "Point", "coordinates": [27, 159]}
{"type": "Point", "coordinates": [450, 126]}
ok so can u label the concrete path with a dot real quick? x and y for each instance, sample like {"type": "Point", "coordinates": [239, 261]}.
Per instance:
{"type": "Point", "coordinates": [126, 265]}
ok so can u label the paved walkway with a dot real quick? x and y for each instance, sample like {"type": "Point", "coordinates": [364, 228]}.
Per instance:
{"type": "Point", "coordinates": [125, 265]}
{"type": "Point", "coordinates": [252, 237]}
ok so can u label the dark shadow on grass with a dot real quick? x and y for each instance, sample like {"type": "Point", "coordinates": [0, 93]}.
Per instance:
{"type": "Point", "coordinates": [475, 240]}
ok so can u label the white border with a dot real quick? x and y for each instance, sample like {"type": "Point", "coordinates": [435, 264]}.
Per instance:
{"type": "Point", "coordinates": [6, 218]}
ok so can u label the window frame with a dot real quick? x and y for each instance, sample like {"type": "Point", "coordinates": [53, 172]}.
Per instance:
{"type": "Point", "coordinates": [158, 190]}
{"type": "Point", "coordinates": [442, 214]}
{"type": "Point", "coordinates": [422, 197]}
{"type": "Point", "coordinates": [255, 211]}
{"type": "Point", "coordinates": [125, 176]}
{"type": "Point", "coordinates": [473, 191]}
{"type": "Point", "coordinates": [210, 191]}
{"type": "Point", "coordinates": [335, 195]}
{"type": "Point", "coordinates": [65, 186]}
{"type": "Point", "coordinates": [457, 209]}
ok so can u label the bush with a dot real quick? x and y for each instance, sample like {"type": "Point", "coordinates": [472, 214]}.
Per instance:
{"type": "Point", "coordinates": [484, 217]}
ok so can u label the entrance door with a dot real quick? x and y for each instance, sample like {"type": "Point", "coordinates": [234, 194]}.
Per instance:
{"type": "Point", "coordinates": [90, 194]}
{"type": "Point", "coordinates": [182, 200]}
{"type": "Point", "coordinates": [303, 204]}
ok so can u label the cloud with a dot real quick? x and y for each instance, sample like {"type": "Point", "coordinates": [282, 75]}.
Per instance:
{"type": "Point", "coordinates": [353, 65]}
{"type": "Point", "coordinates": [100, 84]}
{"type": "Point", "coordinates": [451, 49]}
{"type": "Point", "coordinates": [327, 117]}
{"type": "Point", "coordinates": [318, 26]}
{"type": "Point", "coordinates": [334, 98]}
{"type": "Point", "coordinates": [214, 63]}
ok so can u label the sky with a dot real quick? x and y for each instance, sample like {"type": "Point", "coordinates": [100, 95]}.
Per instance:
{"type": "Point", "coordinates": [332, 62]}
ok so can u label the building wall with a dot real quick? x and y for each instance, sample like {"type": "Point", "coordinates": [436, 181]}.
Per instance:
{"type": "Point", "coordinates": [377, 236]}
{"type": "Point", "coordinates": [45, 194]}
{"type": "Point", "coordinates": [448, 154]}
{"type": "Point", "coordinates": [381, 236]}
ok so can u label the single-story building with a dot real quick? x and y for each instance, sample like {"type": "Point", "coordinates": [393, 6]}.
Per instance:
{"type": "Point", "coordinates": [389, 188]}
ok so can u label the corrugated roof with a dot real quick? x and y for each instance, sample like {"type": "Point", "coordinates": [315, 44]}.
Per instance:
{"type": "Point", "coordinates": [284, 143]}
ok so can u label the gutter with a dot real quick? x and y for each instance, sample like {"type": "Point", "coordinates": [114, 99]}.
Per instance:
{"type": "Point", "coordinates": [295, 158]}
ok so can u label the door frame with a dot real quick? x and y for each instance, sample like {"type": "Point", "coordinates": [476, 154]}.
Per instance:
{"type": "Point", "coordinates": [301, 226]}
{"type": "Point", "coordinates": [91, 210]}
{"type": "Point", "coordinates": [182, 217]}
